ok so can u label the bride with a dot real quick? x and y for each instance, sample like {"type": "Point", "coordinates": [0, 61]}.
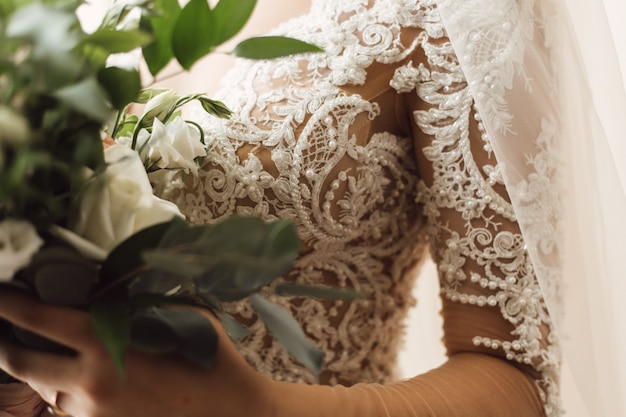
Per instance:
{"type": "Point", "coordinates": [428, 126]}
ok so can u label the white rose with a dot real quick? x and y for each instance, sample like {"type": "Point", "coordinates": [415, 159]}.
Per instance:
{"type": "Point", "coordinates": [19, 241]}
{"type": "Point", "coordinates": [120, 202]}
{"type": "Point", "coordinates": [174, 145]}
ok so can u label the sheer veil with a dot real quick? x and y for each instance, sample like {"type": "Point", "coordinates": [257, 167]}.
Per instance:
{"type": "Point", "coordinates": [559, 135]}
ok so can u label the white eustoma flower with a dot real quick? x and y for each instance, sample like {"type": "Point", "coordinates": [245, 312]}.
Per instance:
{"type": "Point", "coordinates": [174, 145]}
{"type": "Point", "coordinates": [120, 202]}
{"type": "Point", "coordinates": [19, 241]}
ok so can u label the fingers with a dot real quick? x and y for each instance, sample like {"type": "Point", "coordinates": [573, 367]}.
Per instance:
{"type": "Point", "coordinates": [40, 369]}
{"type": "Point", "coordinates": [67, 326]}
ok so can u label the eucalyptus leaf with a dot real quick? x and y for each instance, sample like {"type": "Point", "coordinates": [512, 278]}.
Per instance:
{"type": "Point", "coordinates": [127, 256]}
{"type": "Point", "coordinates": [112, 325]}
{"type": "Point", "coordinates": [177, 263]}
{"type": "Point", "coordinates": [270, 47]}
{"type": "Point", "coordinates": [184, 331]}
{"type": "Point", "coordinates": [159, 53]}
{"type": "Point", "coordinates": [322, 292]}
{"type": "Point", "coordinates": [122, 85]}
{"type": "Point", "coordinates": [288, 333]}
{"type": "Point", "coordinates": [62, 276]}
{"type": "Point", "coordinates": [151, 334]}
{"type": "Point", "coordinates": [282, 239]}
{"type": "Point", "coordinates": [231, 16]}
{"type": "Point", "coordinates": [86, 97]}
{"type": "Point", "coordinates": [235, 330]}
{"type": "Point", "coordinates": [118, 41]}
{"type": "Point", "coordinates": [157, 282]}
{"type": "Point", "coordinates": [194, 33]}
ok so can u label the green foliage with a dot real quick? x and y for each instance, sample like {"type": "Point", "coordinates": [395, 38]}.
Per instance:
{"type": "Point", "coordinates": [161, 24]}
{"type": "Point", "coordinates": [111, 322]}
{"type": "Point", "coordinates": [57, 93]}
{"type": "Point", "coordinates": [270, 47]}
{"type": "Point", "coordinates": [231, 16]}
{"type": "Point", "coordinates": [288, 332]}
{"type": "Point", "coordinates": [122, 85]}
{"type": "Point", "coordinates": [194, 33]}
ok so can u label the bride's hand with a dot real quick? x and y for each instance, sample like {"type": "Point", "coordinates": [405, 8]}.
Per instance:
{"type": "Point", "coordinates": [87, 385]}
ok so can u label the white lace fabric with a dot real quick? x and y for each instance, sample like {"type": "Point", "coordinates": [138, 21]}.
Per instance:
{"type": "Point", "coordinates": [375, 150]}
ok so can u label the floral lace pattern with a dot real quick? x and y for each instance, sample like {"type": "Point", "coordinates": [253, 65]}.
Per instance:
{"type": "Point", "coordinates": [310, 141]}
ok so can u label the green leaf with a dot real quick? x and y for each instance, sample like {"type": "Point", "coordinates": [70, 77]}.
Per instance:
{"type": "Point", "coordinates": [119, 10]}
{"type": "Point", "coordinates": [317, 291]}
{"type": "Point", "coordinates": [111, 323]}
{"type": "Point", "coordinates": [176, 263]}
{"type": "Point", "coordinates": [282, 239]}
{"type": "Point", "coordinates": [269, 47]}
{"type": "Point", "coordinates": [234, 329]}
{"type": "Point", "coordinates": [86, 97]}
{"type": "Point", "coordinates": [288, 333]}
{"type": "Point", "coordinates": [118, 41]}
{"type": "Point", "coordinates": [159, 52]}
{"type": "Point", "coordinates": [122, 85]}
{"type": "Point", "coordinates": [151, 334]}
{"type": "Point", "coordinates": [127, 256]}
{"type": "Point", "coordinates": [231, 16]}
{"type": "Point", "coordinates": [185, 331]}
{"type": "Point", "coordinates": [194, 33]}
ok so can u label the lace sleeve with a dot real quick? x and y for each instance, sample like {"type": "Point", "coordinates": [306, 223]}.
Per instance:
{"type": "Point", "coordinates": [492, 302]}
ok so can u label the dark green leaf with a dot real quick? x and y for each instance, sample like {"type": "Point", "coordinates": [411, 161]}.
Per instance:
{"type": "Point", "coordinates": [185, 331]}
{"type": "Point", "coordinates": [177, 263]}
{"type": "Point", "coordinates": [112, 325]}
{"type": "Point", "coordinates": [127, 256]}
{"type": "Point", "coordinates": [288, 333]}
{"type": "Point", "coordinates": [117, 41]}
{"type": "Point", "coordinates": [86, 97]}
{"type": "Point", "coordinates": [122, 85]}
{"type": "Point", "coordinates": [87, 144]}
{"type": "Point", "coordinates": [158, 299]}
{"type": "Point", "coordinates": [197, 335]}
{"type": "Point", "coordinates": [194, 33]}
{"type": "Point", "coordinates": [231, 16]}
{"type": "Point", "coordinates": [282, 239]}
{"type": "Point", "coordinates": [62, 276]}
{"type": "Point", "coordinates": [159, 52]}
{"type": "Point", "coordinates": [317, 291]}
{"type": "Point", "coordinates": [150, 333]}
{"type": "Point", "coordinates": [269, 47]}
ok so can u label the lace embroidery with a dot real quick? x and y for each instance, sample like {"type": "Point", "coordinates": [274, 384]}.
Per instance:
{"type": "Point", "coordinates": [301, 146]}
{"type": "Point", "coordinates": [459, 184]}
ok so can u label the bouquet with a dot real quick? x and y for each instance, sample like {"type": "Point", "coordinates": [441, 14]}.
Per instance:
{"type": "Point", "coordinates": [80, 225]}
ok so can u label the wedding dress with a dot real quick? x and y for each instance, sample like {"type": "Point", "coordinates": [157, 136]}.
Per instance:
{"type": "Point", "coordinates": [428, 126]}
{"type": "Point", "coordinates": [379, 152]}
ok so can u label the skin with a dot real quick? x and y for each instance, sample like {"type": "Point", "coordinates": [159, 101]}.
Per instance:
{"type": "Point", "coordinates": [89, 386]}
